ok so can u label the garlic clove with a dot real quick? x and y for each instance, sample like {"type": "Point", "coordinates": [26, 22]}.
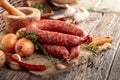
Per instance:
{"type": "Point", "coordinates": [84, 12]}
{"type": "Point", "coordinates": [60, 66]}
{"type": "Point", "coordinates": [17, 57]}
{"type": "Point", "coordinates": [69, 11]}
{"type": "Point", "coordinates": [69, 20]}
{"type": "Point", "coordinates": [78, 17]}
{"type": "Point", "coordinates": [74, 62]}
{"type": "Point", "coordinates": [14, 65]}
{"type": "Point", "coordinates": [106, 46]}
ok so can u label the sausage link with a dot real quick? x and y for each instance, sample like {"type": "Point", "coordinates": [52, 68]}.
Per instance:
{"type": "Point", "coordinates": [59, 26]}
{"type": "Point", "coordinates": [56, 38]}
{"type": "Point", "coordinates": [56, 50]}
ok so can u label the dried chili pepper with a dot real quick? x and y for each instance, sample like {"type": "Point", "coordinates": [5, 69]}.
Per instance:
{"type": "Point", "coordinates": [29, 66]}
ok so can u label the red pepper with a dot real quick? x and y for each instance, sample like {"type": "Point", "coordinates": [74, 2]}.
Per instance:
{"type": "Point", "coordinates": [29, 66]}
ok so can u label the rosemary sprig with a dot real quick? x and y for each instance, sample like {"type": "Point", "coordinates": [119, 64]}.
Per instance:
{"type": "Point", "coordinates": [30, 35]}
{"type": "Point", "coordinates": [25, 59]}
{"type": "Point", "coordinates": [91, 47]}
{"type": "Point", "coordinates": [41, 6]}
{"type": "Point", "coordinates": [1, 68]}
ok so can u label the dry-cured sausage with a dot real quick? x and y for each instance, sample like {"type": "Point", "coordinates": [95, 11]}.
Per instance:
{"type": "Point", "coordinates": [59, 26]}
{"type": "Point", "coordinates": [50, 37]}
{"type": "Point", "coordinates": [56, 50]}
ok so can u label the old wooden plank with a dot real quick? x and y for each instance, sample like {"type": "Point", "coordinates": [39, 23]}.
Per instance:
{"type": "Point", "coordinates": [7, 74]}
{"type": "Point", "coordinates": [34, 77]}
{"type": "Point", "coordinates": [115, 70]}
{"type": "Point", "coordinates": [58, 76]}
{"type": "Point", "coordinates": [108, 6]}
{"type": "Point", "coordinates": [108, 58]}
{"type": "Point", "coordinates": [105, 61]}
{"type": "Point", "coordinates": [100, 5]}
{"type": "Point", "coordinates": [20, 75]}
{"type": "Point", "coordinates": [109, 25]}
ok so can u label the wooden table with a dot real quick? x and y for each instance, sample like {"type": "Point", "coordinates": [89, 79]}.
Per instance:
{"type": "Point", "coordinates": [103, 67]}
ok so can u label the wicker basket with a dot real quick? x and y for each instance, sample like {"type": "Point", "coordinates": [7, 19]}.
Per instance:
{"type": "Point", "coordinates": [15, 3]}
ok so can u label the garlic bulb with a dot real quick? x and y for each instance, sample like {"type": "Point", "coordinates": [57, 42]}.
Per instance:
{"type": "Point", "coordinates": [80, 15]}
{"type": "Point", "coordinates": [69, 11]}
{"type": "Point", "coordinates": [77, 15]}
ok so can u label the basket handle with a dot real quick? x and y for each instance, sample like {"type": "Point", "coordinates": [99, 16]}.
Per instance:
{"type": "Point", "coordinates": [11, 9]}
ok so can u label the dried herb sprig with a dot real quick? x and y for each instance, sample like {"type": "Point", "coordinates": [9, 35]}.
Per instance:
{"type": "Point", "coordinates": [41, 6]}
{"type": "Point", "coordinates": [49, 57]}
{"type": "Point", "coordinates": [1, 68]}
{"type": "Point", "coordinates": [91, 47]}
{"type": "Point", "coordinates": [30, 35]}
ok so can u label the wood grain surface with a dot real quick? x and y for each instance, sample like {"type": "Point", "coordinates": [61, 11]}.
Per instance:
{"type": "Point", "coordinates": [100, 5]}
{"type": "Point", "coordinates": [103, 67]}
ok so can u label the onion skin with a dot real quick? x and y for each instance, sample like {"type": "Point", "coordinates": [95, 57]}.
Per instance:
{"type": "Point", "coordinates": [2, 58]}
{"type": "Point", "coordinates": [24, 47]}
{"type": "Point", "coordinates": [8, 42]}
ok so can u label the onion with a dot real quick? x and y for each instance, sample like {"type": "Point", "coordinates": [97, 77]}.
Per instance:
{"type": "Point", "coordinates": [8, 42]}
{"type": "Point", "coordinates": [2, 58]}
{"type": "Point", "coordinates": [24, 47]}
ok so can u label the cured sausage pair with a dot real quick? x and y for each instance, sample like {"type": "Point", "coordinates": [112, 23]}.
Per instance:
{"type": "Point", "coordinates": [61, 35]}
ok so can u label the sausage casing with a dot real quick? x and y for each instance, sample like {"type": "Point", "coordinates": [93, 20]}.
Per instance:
{"type": "Point", "coordinates": [59, 26]}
